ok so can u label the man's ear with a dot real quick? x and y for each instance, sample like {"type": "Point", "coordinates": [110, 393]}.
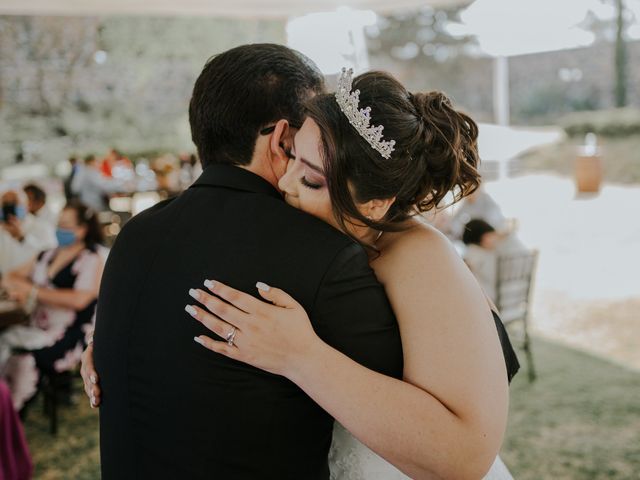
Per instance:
{"type": "Point", "coordinates": [279, 145]}
{"type": "Point", "coordinates": [280, 142]}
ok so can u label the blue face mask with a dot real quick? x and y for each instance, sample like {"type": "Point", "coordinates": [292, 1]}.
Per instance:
{"type": "Point", "coordinates": [21, 212]}
{"type": "Point", "coordinates": [65, 237]}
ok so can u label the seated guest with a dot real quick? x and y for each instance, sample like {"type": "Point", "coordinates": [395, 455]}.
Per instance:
{"type": "Point", "coordinates": [478, 205]}
{"type": "Point", "coordinates": [92, 187]}
{"type": "Point", "coordinates": [60, 288]}
{"type": "Point", "coordinates": [37, 205]}
{"type": "Point", "coordinates": [483, 248]}
{"type": "Point", "coordinates": [22, 235]}
{"type": "Point", "coordinates": [15, 461]}
{"type": "Point", "coordinates": [68, 193]}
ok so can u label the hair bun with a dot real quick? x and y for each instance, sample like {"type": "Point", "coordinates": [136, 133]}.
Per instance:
{"type": "Point", "coordinates": [424, 102]}
{"type": "Point", "coordinates": [447, 141]}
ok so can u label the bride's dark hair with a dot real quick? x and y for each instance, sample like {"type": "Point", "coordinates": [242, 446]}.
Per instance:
{"type": "Point", "coordinates": [436, 151]}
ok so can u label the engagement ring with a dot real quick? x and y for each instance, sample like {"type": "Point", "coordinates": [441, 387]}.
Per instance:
{"type": "Point", "coordinates": [231, 336]}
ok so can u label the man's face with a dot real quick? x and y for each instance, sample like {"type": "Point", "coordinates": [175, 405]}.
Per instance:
{"type": "Point", "coordinates": [490, 240]}
{"type": "Point", "coordinates": [33, 205]}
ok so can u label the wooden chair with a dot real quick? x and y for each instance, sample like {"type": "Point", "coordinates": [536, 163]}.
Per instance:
{"type": "Point", "coordinates": [54, 387]}
{"type": "Point", "coordinates": [514, 282]}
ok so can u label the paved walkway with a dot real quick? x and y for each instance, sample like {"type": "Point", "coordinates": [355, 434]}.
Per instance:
{"type": "Point", "coordinates": [587, 291]}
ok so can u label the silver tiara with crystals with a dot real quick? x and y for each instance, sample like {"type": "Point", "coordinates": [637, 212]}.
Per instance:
{"type": "Point", "coordinates": [360, 117]}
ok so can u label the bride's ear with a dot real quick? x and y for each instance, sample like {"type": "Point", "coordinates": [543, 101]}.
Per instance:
{"type": "Point", "coordinates": [377, 209]}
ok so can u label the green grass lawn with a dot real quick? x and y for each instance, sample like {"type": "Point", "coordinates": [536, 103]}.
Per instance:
{"type": "Point", "coordinates": [579, 420]}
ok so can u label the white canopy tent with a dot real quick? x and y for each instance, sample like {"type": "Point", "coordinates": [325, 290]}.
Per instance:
{"type": "Point", "coordinates": [219, 8]}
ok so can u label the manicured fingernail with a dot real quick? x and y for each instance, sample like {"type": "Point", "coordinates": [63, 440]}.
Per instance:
{"type": "Point", "coordinates": [209, 284]}
{"type": "Point", "coordinates": [191, 310]}
{"type": "Point", "coordinates": [93, 401]}
{"type": "Point", "coordinates": [194, 293]}
{"type": "Point", "coordinates": [198, 340]}
{"type": "Point", "coordinates": [93, 379]}
{"type": "Point", "coordinates": [263, 286]}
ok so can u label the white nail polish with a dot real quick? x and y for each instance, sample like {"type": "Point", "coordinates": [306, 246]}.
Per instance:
{"type": "Point", "coordinates": [209, 284]}
{"type": "Point", "coordinates": [93, 379]}
{"type": "Point", "coordinates": [198, 340]}
{"type": "Point", "coordinates": [194, 293]}
{"type": "Point", "coordinates": [263, 286]}
{"type": "Point", "coordinates": [191, 310]}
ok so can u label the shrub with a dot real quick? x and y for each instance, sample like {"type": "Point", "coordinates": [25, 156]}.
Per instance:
{"type": "Point", "coordinates": [620, 122]}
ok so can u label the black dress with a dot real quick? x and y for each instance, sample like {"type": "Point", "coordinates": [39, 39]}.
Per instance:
{"type": "Point", "coordinates": [54, 340]}
{"type": "Point", "coordinates": [510, 357]}
{"type": "Point", "coordinates": [73, 338]}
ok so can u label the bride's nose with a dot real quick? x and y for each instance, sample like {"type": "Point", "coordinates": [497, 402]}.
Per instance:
{"type": "Point", "coordinates": [286, 183]}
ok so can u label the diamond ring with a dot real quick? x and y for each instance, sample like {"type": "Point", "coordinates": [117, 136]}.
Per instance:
{"type": "Point", "coordinates": [231, 336]}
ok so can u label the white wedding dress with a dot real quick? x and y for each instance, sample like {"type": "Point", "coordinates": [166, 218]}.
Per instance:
{"type": "Point", "coordinates": [349, 459]}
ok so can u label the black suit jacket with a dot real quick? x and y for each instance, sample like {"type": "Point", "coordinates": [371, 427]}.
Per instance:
{"type": "Point", "coordinates": [172, 409]}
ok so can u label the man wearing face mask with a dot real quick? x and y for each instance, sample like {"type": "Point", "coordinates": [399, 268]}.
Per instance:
{"type": "Point", "coordinates": [22, 236]}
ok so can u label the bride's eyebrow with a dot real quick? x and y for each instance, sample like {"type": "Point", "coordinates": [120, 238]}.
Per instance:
{"type": "Point", "coordinates": [307, 162]}
{"type": "Point", "coordinates": [312, 166]}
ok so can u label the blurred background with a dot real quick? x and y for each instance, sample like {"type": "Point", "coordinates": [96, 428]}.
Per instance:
{"type": "Point", "coordinates": [554, 85]}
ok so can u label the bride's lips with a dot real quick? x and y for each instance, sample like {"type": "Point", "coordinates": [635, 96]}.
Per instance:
{"type": "Point", "coordinates": [289, 200]}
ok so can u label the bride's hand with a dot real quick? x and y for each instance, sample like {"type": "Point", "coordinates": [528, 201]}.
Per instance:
{"type": "Point", "coordinates": [271, 336]}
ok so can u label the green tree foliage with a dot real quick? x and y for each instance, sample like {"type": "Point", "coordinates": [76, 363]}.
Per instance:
{"type": "Point", "coordinates": [620, 91]}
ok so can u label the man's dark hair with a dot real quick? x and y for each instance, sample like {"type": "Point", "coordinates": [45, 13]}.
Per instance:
{"type": "Point", "coordinates": [474, 230]}
{"type": "Point", "coordinates": [36, 192]}
{"type": "Point", "coordinates": [243, 90]}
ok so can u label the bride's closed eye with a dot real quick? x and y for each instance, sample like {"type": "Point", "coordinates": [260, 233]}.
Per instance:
{"type": "Point", "coordinates": [308, 184]}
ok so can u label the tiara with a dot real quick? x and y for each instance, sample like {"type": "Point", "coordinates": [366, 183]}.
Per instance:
{"type": "Point", "coordinates": [360, 118]}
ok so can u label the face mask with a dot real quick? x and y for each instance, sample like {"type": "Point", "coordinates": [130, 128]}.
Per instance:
{"type": "Point", "coordinates": [21, 212]}
{"type": "Point", "coordinates": [65, 237]}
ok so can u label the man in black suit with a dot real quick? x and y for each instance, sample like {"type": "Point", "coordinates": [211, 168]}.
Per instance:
{"type": "Point", "coordinates": [171, 409]}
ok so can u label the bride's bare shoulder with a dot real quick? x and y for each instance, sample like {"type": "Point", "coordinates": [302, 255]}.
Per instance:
{"type": "Point", "coordinates": [418, 250]}
{"type": "Point", "coordinates": [418, 239]}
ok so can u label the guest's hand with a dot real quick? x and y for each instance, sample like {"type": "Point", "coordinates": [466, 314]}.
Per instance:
{"type": "Point", "coordinates": [14, 227]}
{"type": "Point", "coordinates": [19, 290]}
{"type": "Point", "coordinates": [271, 336]}
{"type": "Point", "coordinates": [90, 377]}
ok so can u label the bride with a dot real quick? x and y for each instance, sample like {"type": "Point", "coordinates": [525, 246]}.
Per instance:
{"type": "Point", "coordinates": [447, 417]}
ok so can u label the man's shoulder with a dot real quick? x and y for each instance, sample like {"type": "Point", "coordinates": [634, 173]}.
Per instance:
{"type": "Point", "coordinates": [315, 233]}
{"type": "Point", "coordinates": [143, 218]}
{"type": "Point", "coordinates": [268, 215]}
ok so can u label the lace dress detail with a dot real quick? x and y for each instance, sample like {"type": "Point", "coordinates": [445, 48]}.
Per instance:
{"type": "Point", "coordinates": [349, 459]}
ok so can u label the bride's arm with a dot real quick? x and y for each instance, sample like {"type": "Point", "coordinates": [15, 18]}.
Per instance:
{"type": "Point", "coordinates": [447, 419]}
